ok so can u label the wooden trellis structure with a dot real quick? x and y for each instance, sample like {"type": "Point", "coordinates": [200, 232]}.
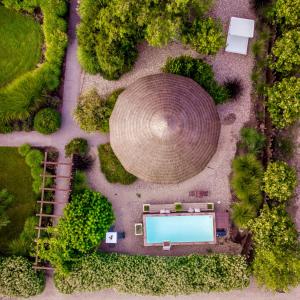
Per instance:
{"type": "Point", "coordinates": [37, 265]}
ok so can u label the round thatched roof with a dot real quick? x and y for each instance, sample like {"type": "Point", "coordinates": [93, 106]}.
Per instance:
{"type": "Point", "coordinates": [164, 128]}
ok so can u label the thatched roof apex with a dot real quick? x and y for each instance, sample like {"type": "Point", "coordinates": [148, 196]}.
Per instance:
{"type": "Point", "coordinates": [164, 128]}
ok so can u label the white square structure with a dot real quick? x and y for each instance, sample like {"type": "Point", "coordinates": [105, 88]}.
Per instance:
{"type": "Point", "coordinates": [111, 238]}
{"type": "Point", "coordinates": [240, 30]}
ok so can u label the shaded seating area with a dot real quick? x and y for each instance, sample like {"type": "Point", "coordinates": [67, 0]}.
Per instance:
{"type": "Point", "coordinates": [240, 30]}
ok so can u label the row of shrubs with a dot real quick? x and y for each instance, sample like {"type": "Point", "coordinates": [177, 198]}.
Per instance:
{"type": "Point", "coordinates": [109, 31]}
{"type": "Point", "coordinates": [34, 159]}
{"type": "Point", "coordinates": [24, 96]}
{"type": "Point", "coordinates": [155, 275]}
{"type": "Point", "coordinates": [202, 73]}
{"type": "Point", "coordinates": [283, 96]}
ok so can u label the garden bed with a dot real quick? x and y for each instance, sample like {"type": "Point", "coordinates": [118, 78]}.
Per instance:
{"type": "Point", "coordinates": [16, 178]}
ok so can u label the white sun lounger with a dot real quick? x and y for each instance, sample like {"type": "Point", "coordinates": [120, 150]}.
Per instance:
{"type": "Point", "coordinates": [240, 30]}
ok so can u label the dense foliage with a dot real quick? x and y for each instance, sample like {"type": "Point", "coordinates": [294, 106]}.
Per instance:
{"type": "Point", "coordinates": [112, 168]}
{"type": "Point", "coordinates": [204, 35]}
{"type": "Point", "coordinates": [21, 98]}
{"type": "Point", "coordinates": [155, 275]}
{"type": "Point", "coordinates": [110, 30]}
{"type": "Point", "coordinates": [246, 184]}
{"type": "Point", "coordinates": [286, 53]}
{"type": "Point", "coordinates": [86, 220]}
{"type": "Point", "coordinates": [78, 146]}
{"type": "Point", "coordinates": [93, 112]}
{"type": "Point", "coordinates": [277, 261]}
{"type": "Point", "coordinates": [283, 102]}
{"type": "Point", "coordinates": [18, 279]}
{"type": "Point", "coordinates": [5, 200]}
{"type": "Point", "coordinates": [286, 12]}
{"type": "Point", "coordinates": [252, 140]}
{"type": "Point", "coordinates": [47, 121]}
{"type": "Point", "coordinates": [199, 71]}
{"type": "Point", "coordinates": [280, 181]}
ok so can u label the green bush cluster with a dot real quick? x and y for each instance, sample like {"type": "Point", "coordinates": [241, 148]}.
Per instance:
{"type": "Point", "coordinates": [252, 140]}
{"type": "Point", "coordinates": [18, 279]}
{"type": "Point", "coordinates": [34, 159]}
{"type": "Point", "coordinates": [24, 245]}
{"type": "Point", "coordinates": [283, 102]}
{"type": "Point", "coordinates": [84, 224]}
{"type": "Point", "coordinates": [280, 181]}
{"type": "Point", "coordinates": [246, 184]}
{"type": "Point", "coordinates": [112, 168]}
{"type": "Point", "coordinates": [155, 275]}
{"type": "Point", "coordinates": [277, 261]}
{"type": "Point", "coordinates": [5, 200]}
{"type": "Point", "coordinates": [110, 30]}
{"type": "Point", "coordinates": [78, 146]}
{"type": "Point", "coordinates": [199, 71]}
{"type": "Point", "coordinates": [21, 98]}
{"type": "Point", "coordinates": [93, 112]}
{"type": "Point", "coordinates": [47, 121]}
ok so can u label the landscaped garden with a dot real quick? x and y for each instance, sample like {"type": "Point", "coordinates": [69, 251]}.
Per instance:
{"type": "Point", "coordinates": [15, 177]}
{"type": "Point", "coordinates": [26, 76]}
{"type": "Point", "coordinates": [21, 41]}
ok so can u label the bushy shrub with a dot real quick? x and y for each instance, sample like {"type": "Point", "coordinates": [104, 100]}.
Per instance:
{"type": "Point", "coordinates": [86, 220]}
{"type": "Point", "coordinates": [93, 112]}
{"type": "Point", "coordinates": [77, 146]}
{"type": "Point", "coordinates": [24, 149]}
{"type": "Point", "coordinates": [280, 181]}
{"type": "Point", "coordinates": [242, 213]}
{"type": "Point", "coordinates": [24, 244]}
{"type": "Point", "coordinates": [34, 158]}
{"type": "Point", "coordinates": [284, 147]}
{"type": "Point", "coordinates": [18, 279]}
{"type": "Point", "coordinates": [5, 200]}
{"type": "Point", "coordinates": [22, 97]}
{"type": "Point", "coordinates": [204, 35]}
{"type": "Point", "coordinates": [234, 88]}
{"type": "Point", "coordinates": [109, 31]}
{"type": "Point", "coordinates": [112, 168]}
{"type": "Point", "coordinates": [47, 121]}
{"type": "Point", "coordinates": [277, 262]}
{"type": "Point", "coordinates": [79, 183]}
{"type": "Point", "coordinates": [252, 140]}
{"type": "Point", "coordinates": [286, 13]}
{"type": "Point", "coordinates": [286, 53]}
{"type": "Point", "coordinates": [200, 72]}
{"type": "Point", "coordinates": [283, 102]}
{"type": "Point", "coordinates": [155, 275]}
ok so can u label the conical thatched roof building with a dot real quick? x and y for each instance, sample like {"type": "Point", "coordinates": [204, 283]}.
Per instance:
{"type": "Point", "coordinates": [164, 128]}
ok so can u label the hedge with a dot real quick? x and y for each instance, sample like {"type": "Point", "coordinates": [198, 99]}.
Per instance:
{"type": "Point", "coordinates": [18, 279]}
{"type": "Point", "coordinates": [47, 121]}
{"type": "Point", "coordinates": [21, 98]}
{"type": "Point", "coordinates": [155, 275]}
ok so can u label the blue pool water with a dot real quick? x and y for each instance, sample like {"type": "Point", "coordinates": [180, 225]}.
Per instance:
{"type": "Point", "coordinates": [179, 229]}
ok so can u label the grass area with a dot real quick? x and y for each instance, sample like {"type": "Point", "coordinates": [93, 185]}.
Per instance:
{"type": "Point", "coordinates": [112, 168]}
{"type": "Point", "coordinates": [20, 44]}
{"type": "Point", "coordinates": [16, 178]}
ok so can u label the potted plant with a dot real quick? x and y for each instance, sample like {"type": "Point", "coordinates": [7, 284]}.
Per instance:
{"type": "Point", "coordinates": [210, 206]}
{"type": "Point", "coordinates": [146, 208]}
{"type": "Point", "coordinates": [178, 206]}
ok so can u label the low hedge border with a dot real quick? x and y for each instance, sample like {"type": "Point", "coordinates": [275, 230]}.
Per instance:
{"type": "Point", "coordinates": [155, 275]}
{"type": "Point", "coordinates": [20, 98]}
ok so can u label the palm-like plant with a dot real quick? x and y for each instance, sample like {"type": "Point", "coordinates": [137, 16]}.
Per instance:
{"type": "Point", "coordinates": [241, 214]}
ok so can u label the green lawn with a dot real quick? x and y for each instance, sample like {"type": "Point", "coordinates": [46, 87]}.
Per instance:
{"type": "Point", "coordinates": [20, 44]}
{"type": "Point", "coordinates": [16, 178]}
{"type": "Point", "coordinates": [112, 168]}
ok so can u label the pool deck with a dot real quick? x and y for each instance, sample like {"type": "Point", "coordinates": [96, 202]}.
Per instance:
{"type": "Point", "coordinates": [180, 214]}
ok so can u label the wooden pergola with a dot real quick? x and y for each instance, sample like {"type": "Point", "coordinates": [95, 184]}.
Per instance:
{"type": "Point", "coordinates": [37, 264]}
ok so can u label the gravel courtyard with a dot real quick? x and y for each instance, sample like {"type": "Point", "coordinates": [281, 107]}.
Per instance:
{"type": "Point", "coordinates": [127, 200]}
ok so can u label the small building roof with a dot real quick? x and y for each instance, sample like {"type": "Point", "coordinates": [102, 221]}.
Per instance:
{"type": "Point", "coordinates": [241, 27]}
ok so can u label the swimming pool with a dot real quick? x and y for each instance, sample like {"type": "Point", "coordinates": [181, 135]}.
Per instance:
{"type": "Point", "coordinates": [179, 229]}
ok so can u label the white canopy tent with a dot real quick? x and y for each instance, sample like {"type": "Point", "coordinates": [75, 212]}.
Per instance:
{"type": "Point", "coordinates": [240, 30]}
